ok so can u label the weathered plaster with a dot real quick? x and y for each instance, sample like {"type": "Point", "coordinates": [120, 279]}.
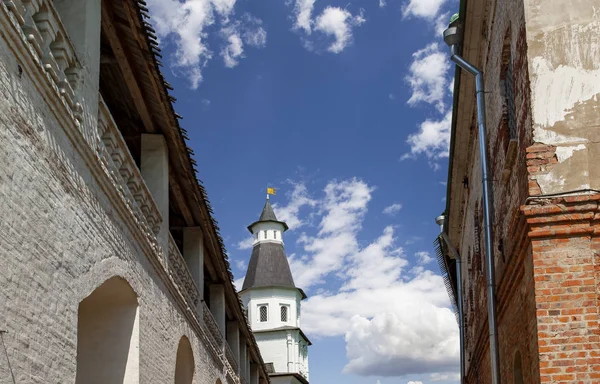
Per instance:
{"type": "Point", "coordinates": [564, 64]}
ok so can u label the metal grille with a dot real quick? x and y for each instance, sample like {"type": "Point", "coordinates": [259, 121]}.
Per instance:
{"type": "Point", "coordinates": [263, 313]}
{"type": "Point", "coordinates": [509, 98]}
{"type": "Point", "coordinates": [441, 258]}
{"type": "Point", "coordinates": [284, 313]}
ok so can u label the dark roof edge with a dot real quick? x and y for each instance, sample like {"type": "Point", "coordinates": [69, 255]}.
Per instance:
{"type": "Point", "coordinates": [285, 226]}
{"type": "Point", "coordinates": [298, 376]}
{"type": "Point", "coordinates": [153, 47]}
{"type": "Point", "coordinates": [275, 286]}
{"type": "Point", "coordinates": [455, 95]}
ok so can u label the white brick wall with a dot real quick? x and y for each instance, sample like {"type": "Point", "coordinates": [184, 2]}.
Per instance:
{"type": "Point", "coordinates": [60, 238]}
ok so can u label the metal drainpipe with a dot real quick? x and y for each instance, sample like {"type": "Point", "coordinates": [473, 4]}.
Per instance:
{"type": "Point", "coordinates": [452, 38]}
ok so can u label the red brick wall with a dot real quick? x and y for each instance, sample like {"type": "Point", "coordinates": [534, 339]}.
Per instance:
{"type": "Point", "coordinates": [517, 326]}
{"type": "Point", "coordinates": [565, 243]}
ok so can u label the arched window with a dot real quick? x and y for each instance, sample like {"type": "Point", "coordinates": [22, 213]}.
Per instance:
{"type": "Point", "coordinates": [263, 313]}
{"type": "Point", "coordinates": [518, 369]}
{"type": "Point", "coordinates": [284, 313]}
{"type": "Point", "coordinates": [184, 367]}
{"type": "Point", "coordinates": [108, 335]}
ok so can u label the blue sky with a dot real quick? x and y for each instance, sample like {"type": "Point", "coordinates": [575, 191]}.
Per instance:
{"type": "Point", "coordinates": [344, 108]}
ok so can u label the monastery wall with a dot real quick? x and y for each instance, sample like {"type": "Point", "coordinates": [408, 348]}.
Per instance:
{"type": "Point", "coordinates": [61, 237]}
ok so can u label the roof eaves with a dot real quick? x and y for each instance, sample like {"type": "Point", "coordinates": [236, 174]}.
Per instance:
{"type": "Point", "coordinates": [144, 19]}
{"type": "Point", "coordinates": [455, 96]}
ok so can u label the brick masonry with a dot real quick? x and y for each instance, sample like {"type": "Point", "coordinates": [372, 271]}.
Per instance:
{"type": "Point", "coordinates": [60, 238]}
{"type": "Point", "coordinates": [545, 248]}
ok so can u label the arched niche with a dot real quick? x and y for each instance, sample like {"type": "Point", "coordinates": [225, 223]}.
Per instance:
{"type": "Point", "coordinates": [518, 369]}
{"type": "Point", "coordinates": [108, 335]}
{"type": "Point", "coordinates": [184, 367]}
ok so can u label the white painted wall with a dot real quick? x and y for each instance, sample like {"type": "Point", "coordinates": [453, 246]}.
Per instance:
{"type": "Point", "coordinates": [274, 298]}
{"type": "Point", "coordinates": [268, 232]}
{"type": "Point", "coordinates": [282, 348]}
{"type": "Point", "coordinates": [284, 380]}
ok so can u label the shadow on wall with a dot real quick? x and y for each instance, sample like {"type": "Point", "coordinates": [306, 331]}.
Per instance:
{"type": "Point", "coordinates": [184, 368]}
{"type": "Point", "coordinates": [108, 335]}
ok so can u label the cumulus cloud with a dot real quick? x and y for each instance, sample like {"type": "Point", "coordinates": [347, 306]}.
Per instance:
{"type": "Point", "coordinates": [334, 22]}
{"type": "Point", "coordinates": [247, 31]}
{"type": "Point", "coordinates": [185, 24]}
{"type": "Point", "coordinates": [234, 48]}
{"type": "Point", "coordinates": [382, 3]}
{"type": "Point", "coordinates": [427, 9]}
{"type": "Point", "coordinates": [241, 265]}
{"type": "Point", "coordinates": [392, 209]}
{"type": "Point", "coordinates": [444, 376]}
{"type": "Point", "coordinates": [303, 10]}
{"type": "Point", "coordinates": [427, 76]}
{"type": "Point", "coordinates": [395, 320]}
{"type": "Point", "coordinates": [246, 243]}
{"type": "Point", "coordinates": [289, 213]}
{"type": "Point", "coordinates": [423, 257]}
{"type": "Point", "coordinates": [343, 207]}
{"type": "Point", "coordinates": [432, 139]}
{"type": "Point", "coordinates": [338, 22]}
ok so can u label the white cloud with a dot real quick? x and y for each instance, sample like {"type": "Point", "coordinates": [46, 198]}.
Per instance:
{"type": "Point", "coordinates": [441, 23]}
{"type": "Point", "coordinates": [427, 76]}
{"type": "Point", "coordinates": [395, 319]}
{"type": "Point", "coordinates": [246, 243]}
{"type": "Point", "coordinates": [382, 3]}
{"type": "Point", "coordinates": [444, 376]}
{"type": "Point", "coordinates": [241, 265]}
{"type": "Point", "coordinates": [289, 213]}
{"type": "Point", "coordinates": [423, 257]}
{"type": "Point", "coordinates": [391, 96]}
{"type": "Point", "coordinates": [186, 23]}
{"type": "Point", "coordinates": [239, 283]}
{"type": "Point", "coordinates": [249, 31]}
{"type": "Point", "coordinates": [303, 10]}
{"type": "Point", "coordinates": [427, 9]}
{"type": "Point", "coordinates": [338, 22]}
{"type": "Point", "coordinates": [432, 139]}
{"type": "Point", "coordinates": [415, 382]}
{"type": "Point", "coordinates": [234, 49]}
{"type": "Point", "coordinates": [343, 207]}
{"type": "Point", "coordinates": [392, 209]}
{"type": "Point", "coordinates": [335, 22]}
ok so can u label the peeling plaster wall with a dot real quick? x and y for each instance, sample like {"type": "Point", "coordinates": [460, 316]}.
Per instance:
{"type": "Point", "coordinates": [563, 41]}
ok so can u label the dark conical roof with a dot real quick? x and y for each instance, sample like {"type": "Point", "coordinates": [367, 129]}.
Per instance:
{"type": "Point", "coordinates": [268, 214]}
{"type": "Point", "coordinates": [268, 267]}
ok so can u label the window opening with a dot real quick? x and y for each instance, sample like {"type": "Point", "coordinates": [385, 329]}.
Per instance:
{"type": "Point", "coordinates": [263, 313]}
{"type": "Point", "coordinates": [284, 313]}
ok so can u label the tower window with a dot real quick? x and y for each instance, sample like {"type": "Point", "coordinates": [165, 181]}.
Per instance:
{"type": "Point", "coordinates": [284, 313]}
{"type": "Point", "coordinates": [264, 312]}
{"type": "Point", "coordinates": [275, 235]}
{"type": "Point", "coordinates": [265, 234]}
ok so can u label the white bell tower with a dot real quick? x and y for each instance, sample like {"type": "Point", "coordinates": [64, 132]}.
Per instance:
{"type": "Point", "coordinates": [273, 302]}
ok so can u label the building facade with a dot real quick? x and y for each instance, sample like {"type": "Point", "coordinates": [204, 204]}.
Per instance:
{"type": "Point", "coordinates": [273, 303]}
{"type": "Point", "coordinates": [541, 66]}
{"type": "Point", "coordinates": [113, 270]}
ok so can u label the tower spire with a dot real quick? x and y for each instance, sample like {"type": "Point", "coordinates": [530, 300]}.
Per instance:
{"type": "Point", "coordinates": [273, 300]}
